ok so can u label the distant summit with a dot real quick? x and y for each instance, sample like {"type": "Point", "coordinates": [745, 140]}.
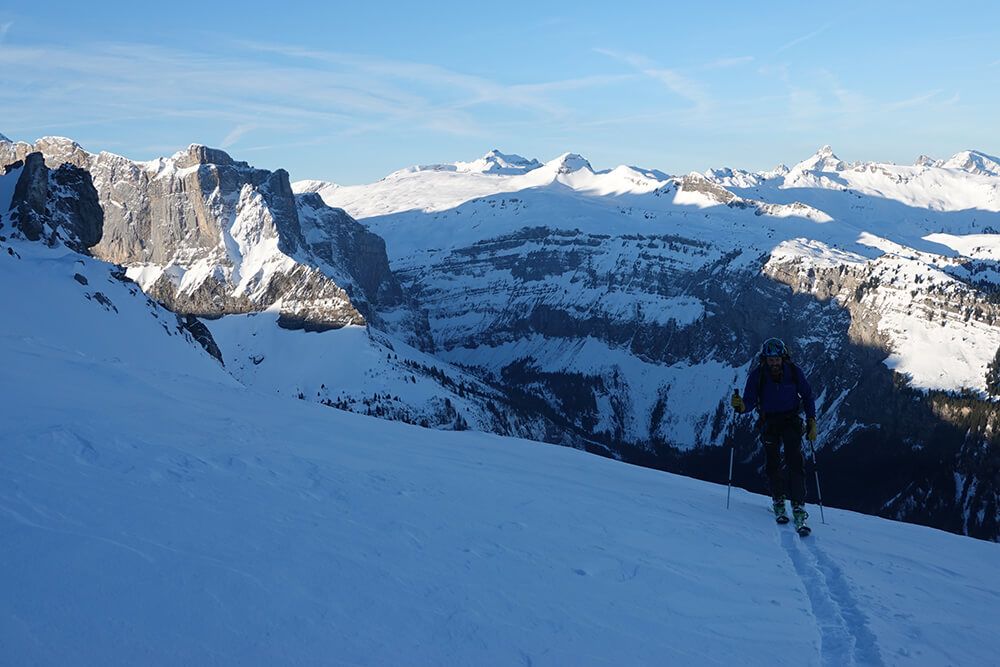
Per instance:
{"type": "Point", "coordinates": [496, 162]}
{"type": "Point", "coordinates": [974, 162]}
{"type": "Point", "coordinates": [822, 160]}
{"type": "Point", "coordinates": [568, 163]}
{"type": "Point", "coordinates": [5, 139]}
{"type": "Point", "coordinates": [926, 161]}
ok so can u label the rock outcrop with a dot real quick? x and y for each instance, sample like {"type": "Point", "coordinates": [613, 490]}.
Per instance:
{"type": "Point", "coordinates": [208, 235]}
{"type": "Point", "coordinates": [55, 205]}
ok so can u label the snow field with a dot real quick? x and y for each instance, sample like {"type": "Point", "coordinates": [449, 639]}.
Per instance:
{"type": "Point", "coordinates": [156, 512]}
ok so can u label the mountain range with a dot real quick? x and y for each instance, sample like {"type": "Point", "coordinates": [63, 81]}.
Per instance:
{"type": "Point", "coordinates": [608, 310]}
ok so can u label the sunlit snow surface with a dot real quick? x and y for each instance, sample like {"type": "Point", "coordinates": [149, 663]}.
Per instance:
{"type": "Point", "coordinates": [153, 511]}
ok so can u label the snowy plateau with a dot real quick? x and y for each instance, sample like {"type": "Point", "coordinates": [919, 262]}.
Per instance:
{"type": "Point", "coordinates": [179, 487]}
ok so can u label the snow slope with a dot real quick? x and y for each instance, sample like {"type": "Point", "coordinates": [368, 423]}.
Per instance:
{"type": "Point", "coordinates": [156, 512]}
{"type": "Point", "coordinates": [355, 368]}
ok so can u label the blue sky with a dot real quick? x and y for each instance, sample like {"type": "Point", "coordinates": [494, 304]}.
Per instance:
{"type": "Point", "coordinates": [350, 93]}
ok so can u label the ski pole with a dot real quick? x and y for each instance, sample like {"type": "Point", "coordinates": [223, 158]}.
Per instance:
{"type": "Point", "coordinates": [819, 494]}
{"type": "Point", "coordinates": [732, 447]}
{"type": "Point", "coordinates": [730, 489]}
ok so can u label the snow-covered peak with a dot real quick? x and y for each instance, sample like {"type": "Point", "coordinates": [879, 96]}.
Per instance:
{"type": "Point", "coordinates": [926, 161]}
{"type": "Point", "coordinates": [739, 178]}
{"type": "Point", "coordinates": [778, 172]}
{"type": "Point", "coordinates": [58, 141]}
{"type": "Point", "coordinates": [974, 162]}
{"type": "Point", "coordinates": [496, 162]}
{"type": "Point", "coordinates": [567, 163]}
{"type": "Point", "coordinates": [493, 163]}
{"type": "Point", "coordinates": [822, 160]}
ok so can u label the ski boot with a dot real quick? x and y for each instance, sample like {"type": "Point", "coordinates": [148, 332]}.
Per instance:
{"type": "Point", "coordinates": [799, 514]}
{"type": "Point", "coordinates": [780, 515]}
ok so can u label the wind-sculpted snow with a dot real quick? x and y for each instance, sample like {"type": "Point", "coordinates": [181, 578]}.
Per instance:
{"type": "Point", "coordinates": [154, 511]}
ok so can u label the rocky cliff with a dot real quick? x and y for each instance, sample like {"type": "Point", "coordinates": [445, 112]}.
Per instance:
{"type": "Point", "coordinates": [207, 235]}
{"type": "Point", "coordinates": [57, 205]}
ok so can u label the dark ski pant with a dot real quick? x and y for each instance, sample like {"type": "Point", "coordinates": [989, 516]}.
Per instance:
{"type": "Point", "coordinates": [778, 430]}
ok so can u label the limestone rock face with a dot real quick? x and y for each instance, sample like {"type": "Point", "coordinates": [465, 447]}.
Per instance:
{"type": "Point", "coordinates": [209, 235]}
{"type": "Point", "coordinates": [58, 205]}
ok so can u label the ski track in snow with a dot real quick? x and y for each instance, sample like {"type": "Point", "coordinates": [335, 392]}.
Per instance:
{"type": "Point", "coordinates": [845, 638]}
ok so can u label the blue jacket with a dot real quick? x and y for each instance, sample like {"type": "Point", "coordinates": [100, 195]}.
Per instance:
{"type": "Point", "coordinates": [790, 395]}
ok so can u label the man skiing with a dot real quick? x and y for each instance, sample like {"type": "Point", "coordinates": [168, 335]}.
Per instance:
{"type": "Point", "coordinates": [778, 389]}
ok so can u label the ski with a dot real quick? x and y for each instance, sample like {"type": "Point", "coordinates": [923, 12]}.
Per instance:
{"type": "Point", "coordinates": [780, 515]}
{"type": "Point", "coordinates": [801, 515]}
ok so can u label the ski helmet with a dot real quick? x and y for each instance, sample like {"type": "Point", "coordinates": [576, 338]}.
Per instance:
{"type": "Point", "coordinates": [773, 347]}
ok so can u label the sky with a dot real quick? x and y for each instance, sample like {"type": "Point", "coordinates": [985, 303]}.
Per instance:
{"type": "Point", "coordinates": [349, 92]}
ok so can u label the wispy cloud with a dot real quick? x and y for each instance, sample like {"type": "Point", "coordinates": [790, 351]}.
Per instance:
{"type": "Point", "coordinates": [803, 38]}
{"type": "Point", "coordinates": [917, 100]}
{"type": "Point", "coordinates": [463, 90]}
{"type": "Point", "coordinates": [253, 86]}
{"type": "Point", "coordinates": [235, 134]}
{"type": "Point", "coordinates": [723, 63]}
{"type": "Point", "coordinates": [4, 29]}
{"type": "Point", "coordinates": [682, 86]}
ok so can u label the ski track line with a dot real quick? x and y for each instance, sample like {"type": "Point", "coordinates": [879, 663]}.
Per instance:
{"type": "Point", "coordinates": [845, 638]}
{"type": "Point", "coordinates": [866, 649]}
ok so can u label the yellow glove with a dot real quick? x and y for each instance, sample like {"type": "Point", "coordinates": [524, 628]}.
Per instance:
{"type": "Point", "coordinates": [737, 403]}
{"type": "Point", "coordinates": [811, 429]}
